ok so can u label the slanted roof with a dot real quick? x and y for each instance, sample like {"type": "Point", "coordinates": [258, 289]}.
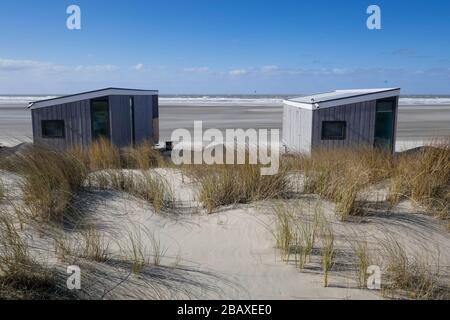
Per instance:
{"type": "Point", "coordinates": [341, 97]}
{"type": "Point", "coordinates": [90, 95]}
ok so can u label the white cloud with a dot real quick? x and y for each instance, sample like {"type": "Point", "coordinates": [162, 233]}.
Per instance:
{"type": "Point", "coordinates": [11, 65]}
{"type": "Point", "coordinates": [197, 70]}
{"type": "Point", "coordinates": [238, 72]}
{"type": "Point", "coordinates": [139, 67]}
{"type": "Point", "coordinates": [268, 69]}
{"type": "Point", "coordinates": [275, 70]}
{"type": "Point", "coordinates": [23, 65]}
{"type": "Point", "coordinates": [96, 68]}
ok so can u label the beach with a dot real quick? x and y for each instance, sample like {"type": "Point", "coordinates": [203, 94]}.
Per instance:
{"type": "Point", "coordinates": [420, 119]}
{"type": "Point", "coordinates": [155, 231]}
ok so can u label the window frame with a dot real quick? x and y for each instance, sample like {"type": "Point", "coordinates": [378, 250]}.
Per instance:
{"type": "Point", "coordinates": [340, 138]}
{"type": "Point", "coordinates": [63, 136]}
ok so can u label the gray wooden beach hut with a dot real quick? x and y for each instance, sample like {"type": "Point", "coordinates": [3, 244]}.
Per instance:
{"type": "Point", "coordinates": [125, 116]}
{"type": "Point", "coordinates": [342, 118]}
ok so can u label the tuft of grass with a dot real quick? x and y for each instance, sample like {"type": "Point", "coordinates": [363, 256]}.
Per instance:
{"type": "Point", "coordinates": [154, 189]}
{"type": "Point", "coordinates": [327, 251]}
{"type": "Point", "coordinates": [146, 185]}
{"type": "Point", "coordinates": [221, 185]}
{"type": "Point", "coordinates": [14, 253]}
{"type": "Point", "coordinates": [410, 276]}
{"type": "Point", "coordinates": [284, 229]}
{"type": "Point", "coordinates": [101, 154]}
{"type": "Point", "coordinates": [20, 276]}
{"type": "Point", "coordinates": [339, 175]}
{"type": "Point", "coordinates": [51, 180]}
{"type": "Point", "coordinates": [304, 243]}
{"type": "Point", "coordinates": [139, 254]}
{"type": "Point", "coordinates": [2, 190]}
{"type": "Point", "coordinates": [158, 250]}
{"type": "Point", "coordinates": [143, 156]}
{"type": "Point", "coordinates": [63, 245]}
{"type": "Point", "coordinates": [95, 245]}
{"type": "Point", "coordinates": [295, 235]}
{"type": "Point", "coordinates": [137, 251]}
{"type": "Point", "coordinates": [424, 177]}
{"type": "Point", "coordinates": [363, 261]}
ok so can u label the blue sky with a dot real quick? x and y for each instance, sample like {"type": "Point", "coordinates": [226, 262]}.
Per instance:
{"type": "Point", "coordinates": [224, 46]}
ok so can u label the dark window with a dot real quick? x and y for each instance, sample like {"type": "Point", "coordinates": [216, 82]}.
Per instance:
{"type": "Point", "coordinates": [100, 118]}
{"type": "Point", "coordinates": [384, 124]}
{"type": "Point", "coordinates": [334, 130]}
{"type": "Point", "coordinates": [53, 128]}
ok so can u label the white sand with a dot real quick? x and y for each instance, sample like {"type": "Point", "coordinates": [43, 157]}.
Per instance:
{"type": "Point", "coordinates": [234, 245]}
{"type": "Point", "coordinates": [231, 254]}
{"type": "Point", "coordinates": [237, 245]}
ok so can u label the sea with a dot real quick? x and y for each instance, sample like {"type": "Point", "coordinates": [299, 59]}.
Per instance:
{"type": "Point", "coordinates": [243, 100]}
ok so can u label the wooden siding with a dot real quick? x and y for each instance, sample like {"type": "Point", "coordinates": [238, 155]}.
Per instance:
{"type": "Point", "coordinates": [155, 107]}
{"type": "Point", "coordinates": [120, 120]}
{"type": "Point", "coordinates": [77, 121]}
{"type": "Point", "coordinates": [77, 124]}
{"type": "Point", "coordinates": [395, 124]}
{"type": "Point", "coordinates": [143, 118]}
{"type": "Point", "coordinates": [155, 110]}
{"type": "Point", "coordinates": [297, 129]}
{"type": "Point", "coordinates": [360, 125]}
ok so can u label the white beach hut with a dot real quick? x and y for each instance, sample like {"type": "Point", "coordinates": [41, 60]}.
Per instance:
{"type": "Point", "coordinates": [342, 118]}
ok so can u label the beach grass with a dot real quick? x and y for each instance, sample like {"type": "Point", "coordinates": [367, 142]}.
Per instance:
{"type": "Point", "coordinates": [222, 185]}
{"type": "Point", "coordinates": [363, 261]}
{"type": "Point", "coordinates": [103, 155]}
{"type": "Point", "coordinates": [342, 175]}
{"type": "Point", "coordinates": [424, 176]}
{"type": "Point", "coordinates": [21, 277]}
{"type": "Point", "coordinates": [95, 245]}
{"type": "Point", "coordinates": [411, 276]}
{"type": "Point", "coordinates": [143, 157]}
{"type": "Point", "coordinates": [339, 175]}
{"type": "Point", "coordinates": [2, 190]}
{"type": "Point", "coordinates": [284, 231]}
{"type": "Point", "coordinates": [328, 251]}
{"type": "Point", "coordinates": [146, 185]}
{"type": "Point", "coordinates": [51, 180]}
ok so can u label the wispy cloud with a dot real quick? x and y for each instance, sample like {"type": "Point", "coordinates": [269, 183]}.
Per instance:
{"type": "Point", "coordinates": [272, 70]}
{"type": "Point", "coordinates": [139, 67]}
{"type": "Point", "coordinates": [238, 72]}
{"type": "Point", "coordinates": [22, 65]}
{"type": "Point", "coordinates": [11, 65]}
{"type": "Point", "coordinates": [28, 75]}
{"type": "Point", "coordinates": [97, 68]}
{"type": "Point", "coordinates": [200, 70]}
{"type": "Point", "coordinates": [269, 69]}
{"type": "Point", "coordinates": [404, 52]}
{"type": "Point", "coordinates": [408, 53]}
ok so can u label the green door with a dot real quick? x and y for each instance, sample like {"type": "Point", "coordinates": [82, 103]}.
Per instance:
{"type": "Point", "coordinates": [384, 124]}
